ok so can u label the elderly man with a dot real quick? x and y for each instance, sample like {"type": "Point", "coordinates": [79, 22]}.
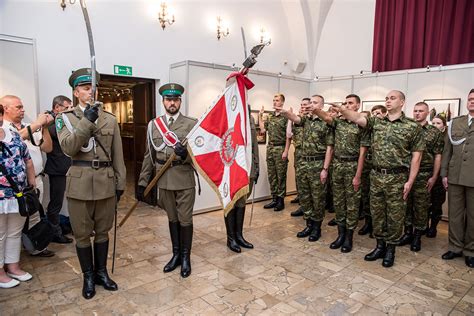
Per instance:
{"type": "Point", "coordinates": [457, 169]}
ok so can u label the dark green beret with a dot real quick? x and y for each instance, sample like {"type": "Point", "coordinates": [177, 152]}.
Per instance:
{"type": "Point", "coordinates": [82, 76]}
{"type": "Point", "coordinates": [171, 90]}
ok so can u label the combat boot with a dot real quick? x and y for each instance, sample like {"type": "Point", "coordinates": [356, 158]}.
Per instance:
{"type": "Point", "coordinates": [431, 232]}
{"type": "Point", "coordinates": [295, 200]}
{"type": "Point", "coordinates": [332, 222]}
{"type": "Point", "coordinates": [280, 204]}
{"type": "Point", "coordinates": [186, 236]}
{"type": "Point", "coordinates": [100, 261]}
{"type": "Point", "coordinates": [407, 237]}
{"type": "Point", "coordinates": [341, 234]}
{"type": "Point", "coordinates": [347, 245]}
{"type": "Point", "coordinates": [87, 267]}
{"type": "Point", "coordinates": [298, 212]}
{"type": "Point", "coordinates": [176, 259]}
{"type": "Point", "coordinates": [416, 243]}
{"type": "Point", "coordinates": [272, 204]}
{"type": "Point", "coordinates": [307, 230]}
{"type": "Point", "coordinates": [230, 228]}
{"type": "Point", "coordinates": [378, 252]}
{"type": "Point", "coordinates": [239, 214]}
{"type": "Point", "coordinates": [367, 228]}
{"type": "Point", "coordinates": [315, 232]}
{"type": "Point", "coordinates": [389, 258]}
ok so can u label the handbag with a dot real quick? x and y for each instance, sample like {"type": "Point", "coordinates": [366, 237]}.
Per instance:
{"type": "Point", "coordinates": [40, 235]}
{"type": "Point", "coordinates": [28, 200]}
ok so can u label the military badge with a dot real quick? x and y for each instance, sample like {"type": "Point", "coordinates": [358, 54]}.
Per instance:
{"type": "Point", "coordinates": [59, 124]}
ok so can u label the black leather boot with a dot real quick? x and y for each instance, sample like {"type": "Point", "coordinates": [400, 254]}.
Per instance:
{"type": "Point", "coordinates": [347, 245]}
{"type": "Point", "coordinates": [332, 222]}
{"type": "Point", "coordinates": [295, 200]}
{"type": "Point", "coordinates": [280, 204]}
{"type": "Point", "coordinates": [416, 243]}
{"type": "Point", "coordinates": [307, 230]}
{"type": "Point", "coordinates": [87, 267]}
{"type": "Point", "coordinates": [272, 204]}
{"type": "Point", "coordinates": [367, 228]}
{"type": "Point", "coordinates": [315, 232]}
{"type": "Point", "coordinates": [186, 236]}
{"type": "Point", "coordinates": [341, 234]}
{"type": "Point", "coordinates": [389, 258]}
{"type": "Point", "coordinates": [298, 212]}
{"type": "Point", "coordinates": [378, 252]}
{"type": "Point", "coordinates": [100, 261]}
{"type": "Point", "coordinates": [431, 232]}
{"type": "Point", "coordinates": [407, 237]}
{"type": "Point", "coordinates": [239, 228]}
{"type": "Point", "coordinates": [230, 228]}
{"type": "Point", "coordinates": [176, 259]}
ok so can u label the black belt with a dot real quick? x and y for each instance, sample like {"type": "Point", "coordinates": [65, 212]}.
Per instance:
{"type": "Point", "coordinates": [95, 164]}
{"type": "Point", "coordinates": [347, 158]}
{"type": "Point", "coordinates": [394, 170]}
{"type": "Point", "coordinates": [276, 144]}
{"type": "Point", "coordinates": [173, 163]}
{"type": "Point", "coordinates": [313, 158]}
{"type": "Point", "coordinates": [426, 169]}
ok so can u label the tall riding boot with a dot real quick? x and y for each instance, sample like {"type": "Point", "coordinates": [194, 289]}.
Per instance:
{"type": "Point", "coordinates": [315, 232]}
{"type": "Point", "coordinates": [341, 234]}
{"type": "Point", "coordinates": [389, 258]}
{"type": "Point", "coordinates": [176, 259]}
{"type": "Point", "coordinates": [272, 204]}
{"type": "Point", "coordinates": [407, 238]}
{"type": "Point", "coordinates": [432, 231]}
{"type": "Point", "coordinates": [347, 245]}
{"type": "Point", "coordinates": [239, 227]}
{"type": "Point", "coordinates": [186, 235]}
{"type": "Point", "coordinates": [307, 230]}
{"type": "Point", "coordinates": [367, 228]}
{"type": "Point", "coordinates": [230, 228]}
{"type": "Point", "coordinates": [416, 243]}
{"type": "Point", "coordinates": [100, 261]}
{"type": "Point", "coordinates": [378, 252]}
{"type": "Point", "coordinates": [280, 204]}
{"type": "Point", "coordinates": [87, 267]}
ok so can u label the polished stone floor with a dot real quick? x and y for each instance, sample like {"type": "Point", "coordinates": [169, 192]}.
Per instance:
{"type": "Point", "coordinates": [282, 275]}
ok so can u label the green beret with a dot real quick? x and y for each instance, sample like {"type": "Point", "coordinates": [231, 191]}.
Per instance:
{"type": "Point", "coordinates": [171, 90]}
{"type": "Point", "coordinates": [82, 76]}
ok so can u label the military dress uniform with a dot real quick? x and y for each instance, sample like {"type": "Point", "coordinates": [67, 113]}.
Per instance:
{"type": "Point", "coordinates": [93, 182]}
{"type": "Point", "coordinates": [275, 125]}
{"type": "Point", "coordinates": [393, 143]}
{"type": "Point", "coordinates": [177, 184]}
{"type": "Point", "coordinates": [316, 137]}
{"type": "Point", "coordinates": [458, 165]}
{"type": "Point", "coordinates": [347, 143]}
{"type": "Point", "coordinates": [234, 220]}
{"type": "Point", "coordinates": [419, 199]}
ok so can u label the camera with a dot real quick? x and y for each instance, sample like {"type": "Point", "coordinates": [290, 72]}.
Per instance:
{"type": "Point", "coordinates": [51, 113]}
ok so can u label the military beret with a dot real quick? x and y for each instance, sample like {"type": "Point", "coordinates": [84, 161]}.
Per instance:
{"type": "Point", "coordinates": [171, 90]}
{"type": "Point", "coordinates": [82, 76]}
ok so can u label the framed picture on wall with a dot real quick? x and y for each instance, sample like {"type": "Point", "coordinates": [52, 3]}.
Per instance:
{"type": "Point", "coordinates": [368, 105]}
{"type": "Point", "coordinates": [449, 107]}
{"type": "Point", "coordinates": [261, 136]}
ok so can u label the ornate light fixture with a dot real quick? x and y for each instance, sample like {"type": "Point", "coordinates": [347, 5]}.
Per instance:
{"type": "Point", "coordinates": [264, 38]}
{"type": "Point", "coordinates": [220, 27]}
{"type": "Point", "coordinates": [63, 3]}
{"type": "Point", "coordinates": [164, 16]}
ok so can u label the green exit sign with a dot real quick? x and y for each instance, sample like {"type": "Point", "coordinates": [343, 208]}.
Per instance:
{"type": "Point", "coordinates": [123, 70]}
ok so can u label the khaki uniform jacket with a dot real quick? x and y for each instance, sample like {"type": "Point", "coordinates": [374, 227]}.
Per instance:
{"type": "Point", "coordinates": [178, 177]}
{"type": "Point", "coordinates": [458, 160]}
{"type": "Point", "coordinates": [87, 183]}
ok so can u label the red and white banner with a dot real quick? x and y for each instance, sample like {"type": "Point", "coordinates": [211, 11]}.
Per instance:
{"type": "Point", "coordinates": [221, 145]}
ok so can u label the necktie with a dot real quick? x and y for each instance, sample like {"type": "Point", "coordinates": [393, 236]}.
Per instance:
{"type": "Point", "coordinates": [170, 122]}
{"type": "Point", "coordinates": [470, 122]}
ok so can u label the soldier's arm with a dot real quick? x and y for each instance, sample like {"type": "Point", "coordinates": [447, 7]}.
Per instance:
{"type": "Point", "coordinates": [327, 162]}
{"type": "Point", "coordinates": [147, 164]}
{"type": "Point", "coordinates": [47, 145]}
{"type": "Point", "coordinates": [71, 143]}
{"type": "Point", "coordinates": [117, 158]}
{"type": "Point", "coordinates": [414, 168]}
{"type": "Point", "coordinates": [353, 116]}
{"type": "Point", "coordinates": [323, 115]}
{"type": "Point", "coordinates": [360, 167]}
{"type": "Point", "coordinates": [289, 114]}
{"type": "Point", "coordinates": [446, 157]}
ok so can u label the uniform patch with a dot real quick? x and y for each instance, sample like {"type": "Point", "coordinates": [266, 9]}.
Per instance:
{"type": "Point", "coordinates": [59, 123]}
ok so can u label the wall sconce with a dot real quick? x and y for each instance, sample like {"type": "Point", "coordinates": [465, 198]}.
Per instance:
{"type": "Point", "coordinates": [429, 67]}
{"type": "Point", "coordinates": [362, 72]}
{"type": "Point", "coordinates": [264, 37]}
{"type": "Point", "coordinates": [220, 27]}
{"type": "Point", "coordinates": [163, 16]}
{"type": "Point", "coordinates": [63, 3]}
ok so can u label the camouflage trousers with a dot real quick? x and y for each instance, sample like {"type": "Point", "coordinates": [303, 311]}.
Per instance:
{"type": "Point", "coordinates": [365, 188]}
{"type": "Point", "coordinates": [277, 169]}
{"type": "Point", "coordinates": [387, 205]}
{"type": "Point", "coordinates": [312, 191]}
{"type": "Point", "coordinates": [418, 202]}
{"type": "Point", "coordinates": [346, 200]}
{"type": "Point", "coordinates": [438, 197]}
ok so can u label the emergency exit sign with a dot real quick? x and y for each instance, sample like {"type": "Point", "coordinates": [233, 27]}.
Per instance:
{"type": "Point", "coordinates": [123, 70]}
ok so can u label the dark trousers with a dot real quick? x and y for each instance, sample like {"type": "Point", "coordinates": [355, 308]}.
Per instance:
{"type": "Point", "coordinates": [57, 186]}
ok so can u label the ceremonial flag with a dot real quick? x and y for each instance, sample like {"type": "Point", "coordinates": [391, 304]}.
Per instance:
{"type": "Point", "coordinates": [220, 144]}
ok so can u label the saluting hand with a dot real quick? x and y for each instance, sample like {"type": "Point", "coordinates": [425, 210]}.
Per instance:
{"type": "Point", "coordinates": [91, 113]}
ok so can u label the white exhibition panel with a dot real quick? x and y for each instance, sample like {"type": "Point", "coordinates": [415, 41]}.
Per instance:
{"type": "Point", "coordinates": [332, 91]}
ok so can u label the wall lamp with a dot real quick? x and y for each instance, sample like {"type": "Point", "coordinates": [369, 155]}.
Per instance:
{"type": "Point", "coordinates": [164, 16]}
{"type": "Point", "coordinates": [63, 3]}
{"type": "Point", "coordinates": [264, 38]}
{"type": "Point", "coordinates": [362, 72]}
{"type": "Point", "coordinates": [220, 29]}
{"type": "Point", "coordinates": [429, 67]}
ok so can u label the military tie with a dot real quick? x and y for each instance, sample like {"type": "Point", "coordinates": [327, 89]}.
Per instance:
{"type": "Point", "coordinates": [170, 122]}
{"type": "Point", "coordinates": [469, 123]}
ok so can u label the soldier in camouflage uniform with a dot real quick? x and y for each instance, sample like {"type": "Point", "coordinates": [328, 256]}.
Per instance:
{"type": "Point", "coordinates": [277, 152]}
{"type": "Point", "coordinates": [314, 167]}
{"type": "Point", "coordinates": [397, 145]}
{"type": "Point", "coordinates": [419, 200]}
{"type": "Point", "coordinates": [347, 172]}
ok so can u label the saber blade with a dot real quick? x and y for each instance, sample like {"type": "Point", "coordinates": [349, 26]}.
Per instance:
{"type": "Point", "coordinates": [91, 48]}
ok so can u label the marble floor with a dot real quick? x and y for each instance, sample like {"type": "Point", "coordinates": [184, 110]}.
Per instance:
{"type": "Point", "coordinates": [282, 275]}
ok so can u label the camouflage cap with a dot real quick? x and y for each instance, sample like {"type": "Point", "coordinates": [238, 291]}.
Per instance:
{"type": "Point", "coordinates": [82, 76]}
{"type": "Point", "coordinates": [171, 90]}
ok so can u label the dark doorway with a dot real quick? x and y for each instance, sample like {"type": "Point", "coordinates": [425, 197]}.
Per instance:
{"type": "Point", "coordinates": [132, 100]}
